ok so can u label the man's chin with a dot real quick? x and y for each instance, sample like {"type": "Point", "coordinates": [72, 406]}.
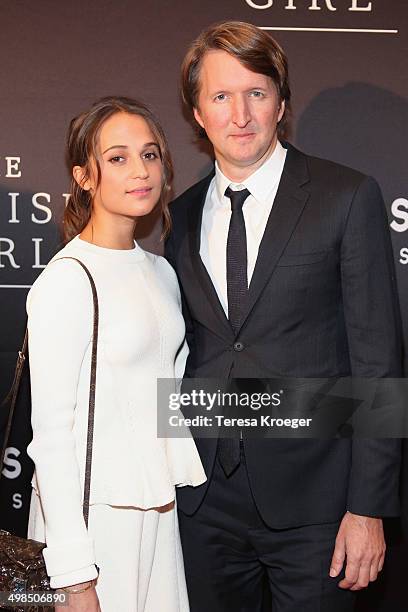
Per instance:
{"type": "Point", "coordinates": [247, 161]}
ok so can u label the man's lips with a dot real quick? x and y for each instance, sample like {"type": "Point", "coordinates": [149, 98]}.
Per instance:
{"type": "Point", "coordinates": [244, 135]}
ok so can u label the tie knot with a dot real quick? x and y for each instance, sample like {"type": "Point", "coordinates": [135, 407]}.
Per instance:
{"type": "Point", "coordinates": [237, 197]}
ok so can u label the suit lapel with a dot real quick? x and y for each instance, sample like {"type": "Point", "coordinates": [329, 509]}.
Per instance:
{"type": "Point", "coordinates": [290, 200]}
{"type": "Point", "coordinates": [195, 214]}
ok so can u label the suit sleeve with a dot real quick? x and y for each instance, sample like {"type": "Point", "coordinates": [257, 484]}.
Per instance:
{"type": "Point", "coordinates": [60, 316]}
{"type": "Point", "coordinates": [374, 337]}
{"type": "Point", "coordinates": [170, 255]}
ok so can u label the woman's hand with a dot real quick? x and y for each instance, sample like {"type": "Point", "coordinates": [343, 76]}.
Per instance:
{"type": "Point", "coordinates": [81, 602]}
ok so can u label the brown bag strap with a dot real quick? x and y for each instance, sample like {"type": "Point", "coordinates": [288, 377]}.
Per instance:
{"type": "Point", "coordinates": [13, 393]}
{"type": "Point", "coordinates": [12, 396]}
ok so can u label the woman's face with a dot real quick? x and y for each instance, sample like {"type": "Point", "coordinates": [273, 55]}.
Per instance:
{"type": "Point", "coordinates": [131, 169]}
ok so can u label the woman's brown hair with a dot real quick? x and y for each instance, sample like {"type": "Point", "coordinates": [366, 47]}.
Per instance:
{"type": "Point", "coordinates": [254, 48]}
{"type": "Point", "coordinates": [82, 148]}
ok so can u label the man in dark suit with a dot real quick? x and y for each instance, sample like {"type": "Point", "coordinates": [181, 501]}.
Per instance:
{"type": "Point", "coordinates": [286, 270]}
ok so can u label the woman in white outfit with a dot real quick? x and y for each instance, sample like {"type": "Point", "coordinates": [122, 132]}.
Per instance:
{"type": "Point", "coordinates": [121, 170]}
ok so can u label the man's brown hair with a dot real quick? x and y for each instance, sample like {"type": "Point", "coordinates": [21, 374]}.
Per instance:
{"type": "Point", "coordinates": [254, 48]}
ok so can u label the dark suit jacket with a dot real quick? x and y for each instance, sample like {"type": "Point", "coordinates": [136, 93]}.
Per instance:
{"type": "Point", "coordinates": [322, 303]}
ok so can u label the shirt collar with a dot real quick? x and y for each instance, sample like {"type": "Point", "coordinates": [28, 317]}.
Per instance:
{"type": "Point", "coordinates": [260, 183]}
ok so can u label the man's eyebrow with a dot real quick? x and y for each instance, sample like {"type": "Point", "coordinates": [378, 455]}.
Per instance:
{"type": "Point", "coordinates": [227, 91]}
{"type": "Point", "coordinates": [147, 144]}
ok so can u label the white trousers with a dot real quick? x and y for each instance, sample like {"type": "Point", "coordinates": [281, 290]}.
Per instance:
{"type": "Point", "coordinates": [139, 556]}
{"type": "Point", "coordinates": [140, 560]}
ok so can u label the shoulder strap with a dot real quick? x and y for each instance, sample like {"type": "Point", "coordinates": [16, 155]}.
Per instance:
{"type": "Point", "coordinates": [12, 397]}
{"type": "Point", "coordinates": [13, 393]}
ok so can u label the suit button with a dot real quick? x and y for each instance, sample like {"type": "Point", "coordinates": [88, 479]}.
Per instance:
{"type": "Point", "coordinates": [238, 346]}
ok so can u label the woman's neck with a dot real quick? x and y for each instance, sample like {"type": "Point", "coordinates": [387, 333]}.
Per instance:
{"type": "Point", "coordinates": [109, 236]}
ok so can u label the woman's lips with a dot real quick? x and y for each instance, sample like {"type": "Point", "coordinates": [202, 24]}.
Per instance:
{"type": "Point", "coordinates": [140, 192]}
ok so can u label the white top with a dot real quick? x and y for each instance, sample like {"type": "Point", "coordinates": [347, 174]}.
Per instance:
{"type": "Point", "coordinates": [141, 338]}
{"type": "Point", "coordinates": [263, 185]}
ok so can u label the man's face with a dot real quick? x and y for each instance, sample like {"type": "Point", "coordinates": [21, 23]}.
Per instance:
{"type": "Point", "coordinates": [239, 111]}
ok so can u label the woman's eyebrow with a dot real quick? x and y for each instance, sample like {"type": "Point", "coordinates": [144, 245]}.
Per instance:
{"type": "Point", "coordinates": [115, 147]}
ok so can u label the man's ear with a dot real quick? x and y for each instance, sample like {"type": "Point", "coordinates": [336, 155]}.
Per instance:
{"type": "Point", "coordinates": [80, 175]}
{"type": "Point", "coordinates": [281, 110]}
{"type": "Point", "coordinates": [197, 117]}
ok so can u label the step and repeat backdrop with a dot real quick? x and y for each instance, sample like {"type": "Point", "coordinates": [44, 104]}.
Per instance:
{"type": "Point", "coordinates": [348, 68]}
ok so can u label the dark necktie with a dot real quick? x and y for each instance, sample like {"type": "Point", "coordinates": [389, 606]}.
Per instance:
{"type": "Point", "coordinates": [237, 278]}
{"type": "Point", "coordinates": [237, 291]}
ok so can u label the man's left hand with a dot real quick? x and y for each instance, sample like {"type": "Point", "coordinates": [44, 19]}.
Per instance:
{"type": "Point", "coordinates": [360, 540]}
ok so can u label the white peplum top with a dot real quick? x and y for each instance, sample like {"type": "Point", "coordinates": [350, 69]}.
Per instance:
{"type": "Point", "coordinates": [141, 338]}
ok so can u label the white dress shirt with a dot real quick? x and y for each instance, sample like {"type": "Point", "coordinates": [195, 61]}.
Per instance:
{"type": "Point", "coordinates": [262, 185]}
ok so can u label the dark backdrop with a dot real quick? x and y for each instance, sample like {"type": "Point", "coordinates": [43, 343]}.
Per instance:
{"type": "Point", "coordinates": [350, 104]}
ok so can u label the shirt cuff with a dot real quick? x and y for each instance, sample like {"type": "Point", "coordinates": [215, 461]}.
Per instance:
{"type": "Point", "coordinates": [83, 575]}
{"type": "Point", "coordinates": [66, 558]}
